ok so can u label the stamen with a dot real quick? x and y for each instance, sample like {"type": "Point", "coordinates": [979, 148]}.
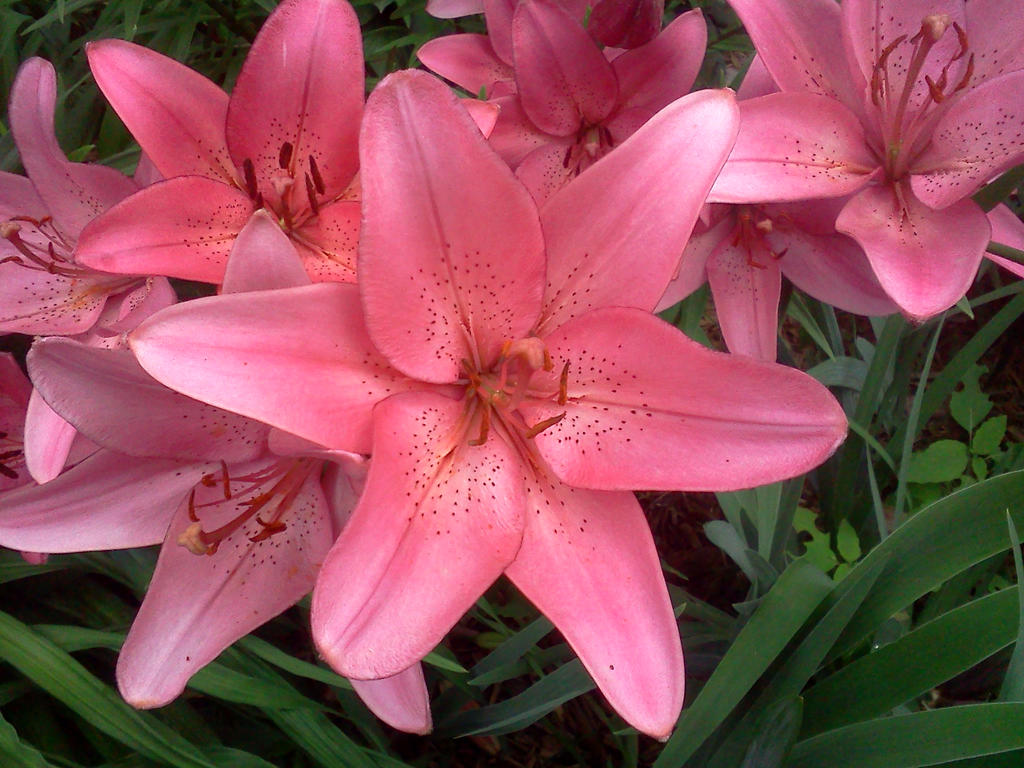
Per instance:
{"type": "Point", "coordinates": [540, 426]}
{"type": "Point", "coordinates": [568, 156]}
{"type": "Point", "coordinates": [311, 194]}
{"type": "Point", "coordinates": [563, 384]}
{"type": "Point", "coordinates": [967, 75]}
{"type": "Point", "coordinates": [285, 158]}
{"type": "Point", "coordinates": [318, 180]}
{"type": "Point", "coordinates": [269, 529]}
{"type": "Point", "coordinates": [192, 507]}
{"type": "Point", "coordinates": [226, 479]}
{"type": "Point", "coordinates": [4, 457]}
{"type": "Point", "coordinates": [249, 171]}
{"type": "Point", "coordinates": [485, 426]}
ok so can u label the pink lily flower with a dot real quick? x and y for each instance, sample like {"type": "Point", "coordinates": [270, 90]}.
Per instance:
{"type": "Point", "coordinates": [571, 105]}
{"type": "Point", "coordinates": [919, 106]}
{"type": "Point", "coordinates": [284, 141]}
{"type": "Point", "coordinates": [512, 385]}
{"type": "Point", "coordinates": [245, 517]}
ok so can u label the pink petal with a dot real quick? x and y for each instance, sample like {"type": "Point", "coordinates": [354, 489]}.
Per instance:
{"type": "Point", "coordinates": [467, 60]}
{"type": "Point", "coordinates": [799, 41]}
{"type": "Point", "coordinates": [869, 26]}
{"type": "Point", "coordinates": [589, 563]}
{"type": "Point", "coordinates": [107, 501]}
{"type": "Point", "coordinates": [484, 114]}
{"type": "Point", "coordinates": [302, 83]}
{"type": "Point", "coordinates": [15, 388]}
{"type": "Point", "coordinates": [298, 359]}
{"type": "Point", "coordinates": [175, 113]}
{"type": "Point", "coordinates": [977, 138]}
{"type": "Point", "coordinates": [514, 136]}
{"type": "Point", "coordinates": [48, 439]}
{"type": "Point", "coordinates": [453, 9]}
{"type": "Point", "coordinates": [401, 700]}
{"type": "Point", "coordinates": [649, 408]}
{"type": "Point", "coordinates": [1008, 230]}
{"type": "Point", "coordinates": [146, 172]}
{"type": "Point", "coordinates": [128, 411]}
{"type": "Point", "coordinates": [74, 193]}
{"type": "Point", "coordinates": [36, 302]}
{"type": "Point", "coordinates": [197, 605]}
{"type": "Point", "coordinates": [691, 273]}
{"type": "Point", "coordinates": [995, 33]}
{"type": "Point", "coordinates": [498, 15]}
{"type": "Point", "coordinates": [327, 242]}
{"type": "Point", "coordinates": [436, 525]}
{"type": "Point", "coordinates": [183, 227]}
{"type": "Point", "coordinates": [146, 298]}
{"type": "Point", "coordinates": [564, 80]}
{"type": "Point", "coordinates": [746, 288]}
{"type": "Point", "coordinates": [15, 392]}
{"type": "Point", "coordinates": [18, 198]}
{"type": "Point", "coordinates": [794, 146]}
{"type": "Point", "coordinates": [924, 259]}
{"type": "Point", "coordinates": [626, 23]}
{"type": "Point", "coordinates": [615, 234]}
{"type": "Point", "coordinates": [757, 82]}
{"type": "Point", "coordinates": [263, 258]}
{"type": "Point", "coordinates": [544, 171]}
{"type": "Point", "coordinates": [450, 240]}
{"type": "Point", "coordinates": [656, 74]}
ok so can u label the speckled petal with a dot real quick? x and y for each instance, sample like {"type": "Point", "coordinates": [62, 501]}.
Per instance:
{"type": "Point", "coordinates": [107, 501]}
{"type": "Point", "coordinates": [298, 359]}
{"type": "Point", "coordinates": [589, 563]}
{"type": "Point", "coordinates": [37, 302]}
{"type": "Point", "coordinates": [197, 605]}
{"type": "Point", "coordinates": [924, 259]}
{"type": "Point", "coordinates": [437, 524]}
{"type": "Point", "coordinates": [301, 83]}
{"type": "Point", "coordinates": [976, 139]}
{"type": "Point", "coordinates": [794, 146]}
{"type": "Point", "coordinates": [183, 227]}
{"type": "Point", "coordinates": [614, 235]}
{"type": "Point", "coordinates": [746, 289]}
{"type": "Point", "coordinates": [130, 412]}
{"type": "Point", "coordinates": [649, 408]}
{"type": "Point", "coordinates": [995, 33]}
{"type": "Point", "coordinates": [563, 78]}
{"type": "Point", "coordinates": [327, 243]}
{"type": "Point", "coordinates": [175, 113]}
{"type": "Point", "coordinates": [451, 261]}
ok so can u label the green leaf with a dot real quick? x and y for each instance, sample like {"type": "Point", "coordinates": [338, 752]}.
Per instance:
{"type": "Point", "coordinates": [229, 685]}
{"type": "Point", "coordinates": [795, 595]}
{"type": "Point", "coordinates": [14, 753]}
{"type": "Point", "coordinates": [847, 542]}
{"type": "Point", "coordinates": [1013, 682]}
{"type": "Point", "coordinates": [565, 683]}
{"type": "Point", "coordinates": [970, 405]}
{"type": "Point", "coordinates": [919, 739]}
{"type": "Point", "coordinates": [988, 436]}
{"type": "Point", "coordinates": [491, 668]}
{"type": "Point", "coordinates": [979, 467]}
{"type": "Point", "coordinates": [941, 462]}
{"type": "Point", "coordinates": [274, 655]}
{"type": "Point", "coordinates": [775, 735]}
{"type": "Point", "coordinates": [920, 660]}
{"type": "Point", "coordinates": [65, 679]}
{"type": "Point", "coordinates": [934, 545]}
{"type": "Point", "coordinates": [817, 549]}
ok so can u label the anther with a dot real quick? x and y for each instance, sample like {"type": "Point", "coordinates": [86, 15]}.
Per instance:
{"type": "Point", "coordinates": [192, 507]}
{"type": "Point", "coordinates": [249, 171]}
{"type": "Point", "coordinates": [967, 75]}
{"type": "Point", "coordinates": [285, 158]}
{"type": "Point", "coordinates": [540, 426]}
{"type": "Point", "coordinates": [311, 194]}
{"type": "Point", "coordinates": [485, 427]}
{"type": "Point", "coordinates": [563, 385]}
{"type": "Point", "coordinates": [567, 157]}
{"type": "Point", "coordinates": [225, 478]}
{"type": "Point", "coordinates": [318, 180]}
{"type": "Point", "coordinates": [268, 530]}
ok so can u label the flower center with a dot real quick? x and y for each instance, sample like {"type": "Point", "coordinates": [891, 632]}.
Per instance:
{"type": "Point", "coordinates": [252, 498]}
{"type": "Point", "coordinates": [45, 250]}
{"type": "Point", "coordinates": [11, 456]}
{"type": "Point", "coordinates": [902, 121]}
{"type": "Point", "coordinates": [751, 232]}
{"type": "Point", "coordinates": [291, 208]}
{"type": "Point", "coordinates": [497, 393]}
{"type": "Point", "coordinates": [591, 144]}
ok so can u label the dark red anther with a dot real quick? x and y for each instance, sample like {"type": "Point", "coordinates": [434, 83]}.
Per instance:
{"type": "Point", "coordinates": [568, 156]}
{"type": "Point", "coordinates": [225, 478]}
{"type": "Point", "coordinates": [8, 472]}
{"type": "Point", "coordinates": [540, 426]}
{"type": "Point", "coordinates": [269, 529]}
{"type": "Point", "coordinates": [318, 180]}
{"type": "Point", "coordinates": [311, 194]}
{"type": "Point", "coordinates": [251, 187]}
{"type": "Point", "coordinates": [285, 158]}
{"type": "Point", "coordinates": [192, 507]}
{"type": "Point", "coordinates": [563, 384]}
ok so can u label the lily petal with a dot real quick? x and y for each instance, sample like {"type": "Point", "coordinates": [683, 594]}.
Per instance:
{"type": "Point", "coordinates": [1008, 230]}
{"type": "Point", "coordinates": [434, 528]}
{"type": "Point", "coordinates": [327, 243]}
{"type": "Point", "coordinates": [48, 439]}
{"type": "Point", "coordinates": [691, 273]}
{"type": "Point", "coordinates": [263, 258]}
{"type": "Point", "coordinates": [467, 60]}
{"type": "Point", "coordinates": [183, 227]}
{"type": "Point", "coordinates": [563, 78]}
{"type": "Point", "coordinates": [995, 28]}
{"type": "Point", "coordinates": [128, 411]}
{"type": "Point", "coordinates": [302, 83]}
{"type": "Point", "coordinates": [107, 501]}
{"type": "Point", "coordinates": [251, 352]}
{"type": "Point", "coordinates": [74, 193]}
{"type": "Point", "coordinates": [401, 700]}
{"type": "Point", "coordinates": [746, 293]}
{"type": "Point", "coordinates": [794, 146]}
{"type": "Point", "coordinates": [977, 138]}
{"type": "Point", "coordinates": [614, 234]}
{"type": "Point", "coordinates": [175, 113]}
{"type": "Point", "coordinates": [924, 259]}
{"type": "Point", "coordinates": [626, 23]}
{"type": "Point", "coordinates": [589, 563]}
{"type": "Point", "coordinates": [197, 605]}
{"type": "Point", "coordinates": [649, 408]}
{"type": "Point", "coordinates": [450, 240]}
